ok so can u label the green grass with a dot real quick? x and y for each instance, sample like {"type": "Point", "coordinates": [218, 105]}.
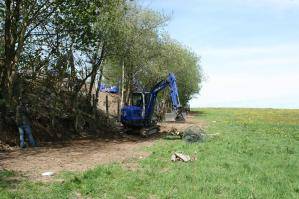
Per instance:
{"type": "Point", "coordinates": [255, 155]}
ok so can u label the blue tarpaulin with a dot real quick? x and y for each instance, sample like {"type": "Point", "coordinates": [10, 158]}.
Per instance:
{"type": "Point", "coordinates": [108, 89]}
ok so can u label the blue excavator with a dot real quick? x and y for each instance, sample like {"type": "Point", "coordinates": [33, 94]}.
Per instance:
{"type": "Point", "coordinates": [138, 117]}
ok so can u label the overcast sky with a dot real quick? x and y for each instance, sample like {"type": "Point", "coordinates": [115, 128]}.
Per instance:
{"type": "Point", "coordinates": [249, 49]}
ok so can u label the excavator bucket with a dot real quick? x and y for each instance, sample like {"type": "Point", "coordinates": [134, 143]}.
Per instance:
{"type": "Point", "coordinates": [170, 117]}
{"type": "Point", "coordinates": [181, 117]}
{"type": "Point", "coordinates": [175, 116]}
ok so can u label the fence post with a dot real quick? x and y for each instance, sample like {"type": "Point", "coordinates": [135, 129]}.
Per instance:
{"type": "Point", "coordinates": [107, 107]}
{"type": "Point", "coordinates": [118, 109]}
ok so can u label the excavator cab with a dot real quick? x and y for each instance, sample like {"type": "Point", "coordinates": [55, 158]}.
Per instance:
{"type": "Point", "coordinates": [140, 99]}
{"type": "Point", "coordinates": [133, 115]}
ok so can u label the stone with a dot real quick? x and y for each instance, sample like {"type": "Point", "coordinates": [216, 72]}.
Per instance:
{"type": "Point", "coordinates": [48, 173]}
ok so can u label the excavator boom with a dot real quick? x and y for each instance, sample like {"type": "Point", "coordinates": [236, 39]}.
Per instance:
{"type": "Point", "coordinates": [174, 95]}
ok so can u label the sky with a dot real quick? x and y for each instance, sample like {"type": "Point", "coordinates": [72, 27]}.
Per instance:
{"type": "Point", "coordinates": [249, 49]}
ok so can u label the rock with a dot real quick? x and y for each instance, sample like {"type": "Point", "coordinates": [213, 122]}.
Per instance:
{"type": "Point", "coordinates": [183, 157]}
{"type": "Point", "coordinates": [48, 173]}
{"type": "Point", "coordinates": [180, 157]}
{"type": "Point", "coordinates": [173, 157]}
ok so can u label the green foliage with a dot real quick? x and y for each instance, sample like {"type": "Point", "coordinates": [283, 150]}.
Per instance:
{"type": "Point", "coordinates": [185, 64]}
{"type": "Point", "coordinates": [149, 55]}
{"type": "Point", "coordinates": [254, 155]}
{"type": "Point", "coordinates": [60, 51]}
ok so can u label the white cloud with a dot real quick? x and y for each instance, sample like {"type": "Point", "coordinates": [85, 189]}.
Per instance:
{"type": "Point", "coordinates": [256, 49]}
{"type": "Point", "coordinates": [269, 59]}
{"type": "Point", "coordinates": [250, 90]}
{"type": "Point", "coordinates": [250, 77]}
{"type": "Point", "coordinates": [236, 51]}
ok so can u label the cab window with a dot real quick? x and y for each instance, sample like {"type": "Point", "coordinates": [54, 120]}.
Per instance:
{"type": "Point", "coordinates": [137, 99]}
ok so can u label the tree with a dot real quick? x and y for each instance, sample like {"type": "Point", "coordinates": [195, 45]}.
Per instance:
{"type": "Point", "coordinates": [149, 55]}
{"type": "Point", "coordinates": [54, 53]}
{"type": "Point", "coordinates": [139, 45]}
{"type": "Point", "coordinates": [21, 19]}
{"type": "Point", "coordinates": [185, 64]}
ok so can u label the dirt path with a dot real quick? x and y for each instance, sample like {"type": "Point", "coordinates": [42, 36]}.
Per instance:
{"type": "Point", "coordinates": [80, 155]}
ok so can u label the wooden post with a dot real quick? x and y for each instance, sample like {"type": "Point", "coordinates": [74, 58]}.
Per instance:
{"type": "Point", "coordinates": [107, 107]}
{"type": "Point", "coordinates": [118, 109]}
{"type": "Point", "coordinates": [94, 107]}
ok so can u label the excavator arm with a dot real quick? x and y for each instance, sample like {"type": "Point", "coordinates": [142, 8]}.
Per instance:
{"type": "Point", "coordinates": [174, 95]}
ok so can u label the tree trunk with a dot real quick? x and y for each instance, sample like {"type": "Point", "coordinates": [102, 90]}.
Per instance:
{"type": "Point", "coordinates": [97, 60]}
{"type": "Point", "coordinates": [98, 90]}
{"type": "Point", "coordinates": [122, 84]}
{"type": "Point", "coordinates": [128, 93]}
{"type": "Point", "coordinates": [14, 38]}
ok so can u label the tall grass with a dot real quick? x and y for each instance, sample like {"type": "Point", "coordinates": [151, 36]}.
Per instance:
{"type": "Point", "coordinates": [254, 155]}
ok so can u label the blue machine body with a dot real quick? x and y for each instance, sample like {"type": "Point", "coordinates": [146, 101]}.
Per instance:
{"type": "Point", "coordinates": [140, 113]}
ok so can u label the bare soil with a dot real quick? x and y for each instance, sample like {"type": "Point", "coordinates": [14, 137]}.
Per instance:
{"type": "Point", "coordinates": [181, 126]}
{"type": "Point", "coordinates": [80, 155]}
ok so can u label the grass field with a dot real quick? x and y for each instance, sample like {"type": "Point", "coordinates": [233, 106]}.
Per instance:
{"type": "Point", "coordinates": [255, 155]}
